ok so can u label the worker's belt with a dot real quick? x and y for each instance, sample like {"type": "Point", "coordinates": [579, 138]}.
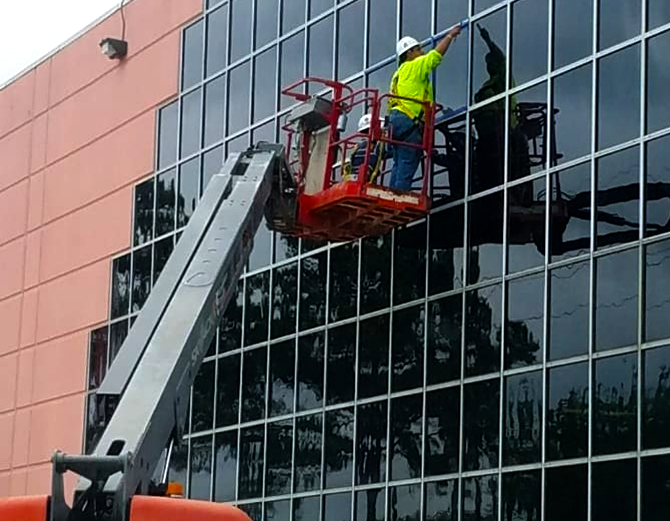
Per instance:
{"type": "Point", "coordinates": [418, 122]}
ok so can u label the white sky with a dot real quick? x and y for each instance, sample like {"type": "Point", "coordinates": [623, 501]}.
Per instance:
{"type": "Point", "coordinates": [33, 28]}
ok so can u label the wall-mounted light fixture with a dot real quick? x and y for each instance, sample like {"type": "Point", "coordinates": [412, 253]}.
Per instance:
{"type": "Point", "coordinates": [116, 48]}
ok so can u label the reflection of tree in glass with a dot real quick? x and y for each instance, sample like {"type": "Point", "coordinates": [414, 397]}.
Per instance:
{"type": "Point", "coordinates": [567, 424]}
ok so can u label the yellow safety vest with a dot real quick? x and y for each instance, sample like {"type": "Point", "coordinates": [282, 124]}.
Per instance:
{"type": "Point", "coordinates": [412, 80]}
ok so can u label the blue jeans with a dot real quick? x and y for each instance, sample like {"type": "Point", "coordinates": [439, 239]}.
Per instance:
{"type": "Point", "coordinates": [405, 159]}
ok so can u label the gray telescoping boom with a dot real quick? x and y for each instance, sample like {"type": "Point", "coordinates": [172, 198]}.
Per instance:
{"type": "Point", "coordinates": [153, 372]}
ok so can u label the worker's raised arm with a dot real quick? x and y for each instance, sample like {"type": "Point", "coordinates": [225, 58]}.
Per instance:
{"type": "Point", "coordinates": [445, 42]}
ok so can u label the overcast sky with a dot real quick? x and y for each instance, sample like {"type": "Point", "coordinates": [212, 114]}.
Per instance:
{"type": "Point", "coordinates": [33, 28]}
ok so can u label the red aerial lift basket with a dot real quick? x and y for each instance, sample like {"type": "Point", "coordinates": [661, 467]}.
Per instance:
{"type": "Point", "coordinates": [334, 207]}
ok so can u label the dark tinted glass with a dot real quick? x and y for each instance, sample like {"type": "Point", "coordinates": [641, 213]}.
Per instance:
{"type": "Point", "coordinates": [167, 135]}
{"type": "Point", "coordinates": [277, 510]}
{"type": "Point", "coordinates": [524, 325]}
{"type": "Point", "coordinates": [282, 368]}
{"type": "Point", "coordinates": [351, 26]}
{"type": "Point", "coordinates": [144, 211]}
{"type": "Point", "coordinates": [265, 132]}
{"type": "Point", "coordinates": [521, 496]}
{"type": "Point", "coordinates": [382, 30]}
{"type": "Point", "coordinates": [407, 349]}
{"type": "Point", "coordinates": [483, 327]}
{"type": "Point", "coordinates": [215, 103]}
{"type": "Point", "coordinates": [527, 135]}
{"type": "Point", "coordinates": [253, 510]}
{"type": "Point", "coordinates": [141, 278]}
{"type": "Point", "coordinates": [657, 179]}
{"type": "Point", "coordinates": [380, 78]}
{"type": "Point", "coordinates": [261, 253]}
{"type": "Point", "coordinates": [405, 503]}
{"type": "Point", "coordinates": [445, 266]}
{"type": "Point", "coordinates": [489, 81]}
{"type": "Point", "coordinates": [523, 419]}
{"type": "Point", "coordinates": [316, 7]}
{"type": "Point", "coordinates": [614, 491]}
{"type": "Point", "coordinates": [265, 80]}
{"type": "Point", "coordinates": [162, 251]}
{"type": "Point", "coordinates": [371, 424]}
{"type": "Point", "coordinates": [619, 21]}
{"type": "Point", "coordinates": [190, 123]}
{"type": "Point", "coordinates": [280, 448]}
{"type": "Point", "coordinates": [570, 237]}
{"type": "Point", "coordinates": [193, 55]}
{"type": "Point", "coordinates": [655, 487]}
{"type": "Point", "coordinates": [451, 87]}
{"type": "Point", "coordinates": [615, 404]}
{"type": "Point", "coordinates": [373, 357]}
{"type": "Point", "coordinates": [572, 100]}
{"type": "Point", "coordinates": [573, 31]}
{"type": "Point", "coordinates": [339, 448]}
{"type": "Point", "coordinates": [341, 373]}
{"type": "Point", "coordinates": [409, 281]}
{"type": "Point", "coordinates": [308, 453]}
{"type": "Point", "coordinates": [203, 398]}
{"type": "Point", "coordinates": [266, 21]}
{"type": "Point", "coordinates": [293, 14]}
{"type": "Point", "coordinates": [657, 289]}
{"type": "Point", "coordinates": [529, 40]}
{"type": "Point", "coordinates": [228, 391]}
{"type": "Point", "coordinates": [284, 300]}
{"type": "Point", "coordinates": [292, 65]}
{"type": "Point", "coordinates": [238, 98]}
{"type": "Point", "coordinates": [217, 36]}
{"type": "Point", "coordinates": [187, 200]}
{"type": "Point", "coordinates": [656, 404]}
{"type": "Point", "coordinates": [254, 366]}
{"type": "Point", "coordinates": [526, 219]}
{"type": "Point", "coordinates": [343, 281]}
{"type": "Point", "coordinates": [337, 507]}
{"type": "Point", "coordinates": [441, 503]}
{"type": "Point", "coordinates": [99, 410]}
{"type": "Point", "coordinates": [480, 498]}
{"type": "Point", "coordinates": [375, 273]}
{"type": "Point", "coordinates": [487, 148]}
{"type": "Point", "coordinates": [201, 468]}
{"type": "Point", "coordinates": [415, 18]}
{"type": "Point", "coordinates": [442, 431]}
{"type": "Point", "coordinates": [480, 5]}
{"type": "Point", "coordinates": [212, 161]}
{"type": "Point", "coordinates": [618, 197]}
{"type": "Point", "coordinates": [406, 431]}
{"type": "Point", "coordinates": [616, 300]}
{"type": "Point", "coordinates": [225, 466]}
{"type": "Point", "coordinates": [447, 12]}
{"type": "Point", "coordinates": [256, 312]}
{"type": "Point", "coordinates": [567, 412]}
{"type": "Point", "coordinates": [562, 483]}
{"type": "Point", "coordinates": [306, 508]}
{"type": "Point", "coordinates": [166, 197]}
{"type": "Point", "coordinates": [370, 504]}
{"type": "Point", "coordinates": [178, 464]}
{"type": "Point", "coordinates": [619, 97]}
{"type": "Point", "coordinates": [250, 481]}
{"type": "Point", "coordinates": [117, 334]}
{"type": "Point", "coordinates": [310, 371]}
{"type": "Point", "coordinates": [320, 41]}
{"type": "Point", "coordinates": [230, 328]}
{"type": "Point", "coordinates": [313, 271]}
{"type": "Point", "coordinates": [485, 253]}
{"type": "Point", "coordinates": [240, 29]}
{"type": "Point", "coordinates": [658, 113]}
{"type": "Point", "coordinates": [481, 406]}
{"type": "Point", "coordinates": [658, 13]}
{"type": "Point", "coordinates": [97, 357]}
{"type": "Point", "coordinates": [444, 339]}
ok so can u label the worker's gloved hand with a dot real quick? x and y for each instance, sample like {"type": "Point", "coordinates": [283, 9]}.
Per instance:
{"type": "Point", "coordinates": [484, 33]}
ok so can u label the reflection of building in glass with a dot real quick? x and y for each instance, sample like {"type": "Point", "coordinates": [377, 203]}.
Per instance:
{"type": "Point", "coordinates": [503, 350]}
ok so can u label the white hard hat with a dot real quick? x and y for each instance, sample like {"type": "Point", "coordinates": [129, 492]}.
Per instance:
{"type": "Point", "coordinates": [364, 122]}
{"type": "Point", "coordinates": [405, 44]}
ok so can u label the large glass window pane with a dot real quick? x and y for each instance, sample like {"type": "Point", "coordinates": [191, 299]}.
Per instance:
{"type": "Point", "coordinates": [284, 300]}
{"type": "Point", "coordinates": [488, 56]}
{"type": "Point", "coordinates": [616, 300]}
{"type": "Point", "coordinates": [658, 76]}
{"type": "Point", "coordinates": [193, 55]}
{"type": "Point", "coordinates": [619, 97]}
{"type": "Point", "coordinates": [483, 327]}
{"type": "Point", "coordinates": [618, 197]}
{"type": "Point", "coordinates": [407, 349]}
{"type": "Point", "coordinates": [480, 5]}
{"type": "Point", "coordinates": [162, 251]}
{"type": "Point", "coordinates": [228, 391]}
{"type": "Point", "coordinates": [202, 418]}
{"type": "Point", "coordinates": [316, 7]}
{"type": "Point", "coordinates": [339, 448]}
{"type": "Point", "coordinates": [310, 371]}
{"type": "Point", "coordinates": [405, 503]}
{"type": "Point", "coordinates": [261, 252]}
{"type": "Point", "coordinates": [567, 412]}
{"type": "Point", "coordinates": [306, 508]}
{"type": "Point", "coordinates": [141, 278]}
{"type": "Point", "coordinates": [480, 498]}
{"type": "Point", "coordinates": [658, 13]}
{"type": "Point", "coordinates": [117, 334]}
{"type": "Point", "coordinates": [293, 14]}
{"type": "Point", "coordinates": [97, 357]}
{"type": "Point", "coordinates": [657, 182]}
{"type": "Point", "coordinates": [444, 340]}
{"type": "Point", "coordinates": [524, 325]}
{"type": "Point", "coordinates": [341, 375]}
{"type": "Point", "coordinates": [375, 273]}
{"type": "Point", "coordinates": [655, 488]}
{"type": "Point", "coordinates": [225, 466]}
{"type": "Point", "coordinates": [526, 219]}
{"type": "Point", "coordinates": [572, 100]}
{"type": "Point", "coordinates": [292, 64]}
{"type": "Point", "coordinates": [313, 272]}
{"type": "Point", "coordinates": [212, 161]}
{"type": "Point", "coordinates": [656, 404]}
{"type": "Point", "coordinates": [238, 98]}
{"type": "Point", "coordinates": [343, 281]}
{"type": "Point", "coordinates": [521, 496]}
{"type": "Point", "coordinates": [230, 328]}
{"type": "Point", "coordinates": [445, 263]}
{"type": "Point", "coordinates": [187, 199]}
{"type": "Point", "coordinates": [527, 137]}
{"type": "Point", "coordinates": [523, 419]}
{"type": "Point", "coordinates": [217, 40]}
{"type": "Point", "coordinates": [451, 83]}
{"type": "Point", "coordinates": [266, 21]}
{"type": "Point", "coordinates": [618, 21]}
{"type": "Point", "coordinates": [657, 291]}
{"type": "Point", "coordinates": [251, 465]}
{"type": "Point", "coordinates": [144, 212]}
{"type": "Point", "coordinates": [529, 40]}
{"type": "Point", "coordinates": [351, 31]}
{"type": "Point", "coordinates": [265, 80]}
{"type": "Point", "coordinates": [167, 134]}
{"type": "Point", "coordinates": [449, 12]}
{"type": "Point", "coordinates": [190, 123]}
{"type": "Point", "coordinates": [371, 422]}
{"type": "Point", "coordinates": [320, 42]}
{"type": "Point", "coordinates": [614, 491]}
{"type": "Point", "coordinates": [481, 407]}
{"type": "Point", "coordinates": [370, 504]}
{"type": "Point", "coordinates": [415, 18]}
{"type": "Point", "coordinates": [254, 368]}
{"type": "Point", "coordinates": [409, 281]}
{"type": "Point", "coordinates": [373, 357]}
{"type": "Point", "coordinates": [282, 370]}
{"type": "Point", "coordinates": [240, 29]}
{"type": "Point", "coordinates": [569, 311]}
{"type": "Point", "coordinates": [406, 431]}
{"type": "Point", "coordinates": [257, 304]}
{"type": "Point", "coordinates": [485, 252]}
{"type": "Point", "coordinates": [280, 449]}
{"type": "Point", "coordinates": [215, 103]}
{"type": "Point", "coordinates": [562, 483]}
{"type": "Point", "coordinates": [201, 468]}
{"type": "Point", "coordinates": [277, 510]}
{"type": "Point", "coordinates": [573, 31]}
{"type": "Point", "coordinates": [337, 507]}
{"type": "Point", "coordinates": [442, 431]}
{"type": "Point", "coordinates": [308, 453]}
{"type": "Point", "coordinates": [253, 510]}
{"type": "Point", "coordinates": [615, 404]}
{"type": "Point", "coordinates": [441, 502]}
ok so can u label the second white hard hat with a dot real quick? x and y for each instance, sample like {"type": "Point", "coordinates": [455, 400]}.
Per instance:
{"type": "Point", "coordinates": [405, 44]}
{"type": "Point", "coordinates": [364, 122]}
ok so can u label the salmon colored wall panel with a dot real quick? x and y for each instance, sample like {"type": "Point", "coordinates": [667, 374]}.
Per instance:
{"type": "Point", "coordinates": [98, 230]}
{"type": "Point", "coordinates": [21, 438]}
{"type": "Point", "coordinates": [13, 211]}
{"type": "Point", "coordinates": [11, 274]}
{"type": "Point", "coordinates": [55, 425]}
{"type": "Point", "coordinates": [6, 438]}
{"type": "Point", "coordinates": [4, 483]}
{"type": "Point", "coordinates": [38, 156]}
{"type": "Point", "coordinates": [42, 84]}
{"type": "Point", "coordinates": [32, 264]}
{"type": "Point", "coordinates": [126, 91]}
{"type": "Point", "coordinates": [39, 480]}
{"type": "Point", "coordinates": [10, 320]}
{"type": "Point", "coordinates": [35, 208]}
{"type": "Point", "coordinates": [18, 482]}
{"type": "Point", "coordinates": [74, 301]}
{"type": "Point", "coordinates": [119, 158]}
{"type": "Point", "coordinates": [28, 318]}
{"type": "Point", "coordinates": [24, 385]}
{"type": "Point", "coordinates": [16, 103]}
{"type": "Point", "coordinates": [8, 382]}
{"type": "Point", "coordinates": [15, 154]}
{"type": "Point", "coordinates": [60, 367]}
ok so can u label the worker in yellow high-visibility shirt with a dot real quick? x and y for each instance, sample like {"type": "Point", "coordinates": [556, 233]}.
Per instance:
{"type": "Point", "coordinates": [412, 80]}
